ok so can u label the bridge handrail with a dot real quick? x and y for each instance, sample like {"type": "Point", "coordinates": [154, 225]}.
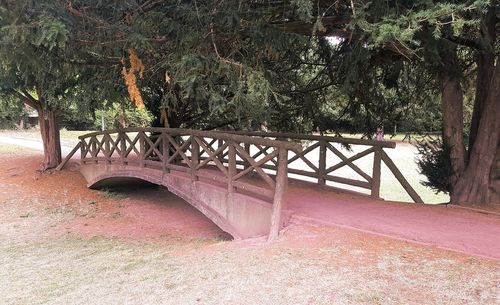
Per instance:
{"type": "Point", "coordinates": [332, 139]}
{"type": "Point", "coordinates": [223, 135]}
{"type": "Point", "coordinates": [322, 172]}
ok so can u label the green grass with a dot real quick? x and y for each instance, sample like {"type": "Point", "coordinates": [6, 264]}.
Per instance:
{"type": "Point", "coordinates": [73, 134]}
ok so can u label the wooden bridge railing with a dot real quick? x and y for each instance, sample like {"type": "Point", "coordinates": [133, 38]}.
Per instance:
{"type": "Point", "coordinates": [314, 158]}
{"type": "Point", "coordinates": [249, 162]}
{"type": "Point", "coordinates": [217, 157]}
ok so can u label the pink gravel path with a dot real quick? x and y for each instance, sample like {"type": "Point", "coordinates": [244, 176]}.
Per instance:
{"type": "Point", "coordinates": [455, 229]}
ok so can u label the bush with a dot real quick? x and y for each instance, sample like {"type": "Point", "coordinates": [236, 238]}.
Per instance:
{"type": "Point", "coordinates": [435, 164]}
{"type": "Point", "coordinates": [133, 117]}
{"type": "Point", "coordinates": [11, 113]}
{"type": "Point", "coordinates": [74, 119]}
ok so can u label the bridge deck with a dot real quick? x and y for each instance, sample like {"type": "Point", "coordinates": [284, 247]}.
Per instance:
{"type": "Point", "coordinates": [449, 227]}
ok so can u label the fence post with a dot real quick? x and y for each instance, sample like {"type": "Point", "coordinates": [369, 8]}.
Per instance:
{"type": "Point", "coordinates": [123, 146]}
{"type": "Point", "coordinates": [94, 151]}
{"type": "Point", "coordinates": [231, 167]}
{"type": "Point", "coordinates": [322, 162]}
{"type": "Point", "coordinates": [165, 151]}
{"type": "Point", "coordinates": [142, 148]}
{"type": "Point", "coordinates": [82, 150]}
{"type": "Point", "coordinates": [195, 152]}
{"type": "Point", "coordinates": [375, 185]}
{"type": "Point", "coordinates": [246, 164]}
{"type": "Point", "coordinates": [220, 156]}
{"type": "Point", "coordinates": [107, 147]}
{"type": "Point", "coordinates": [281, 186]}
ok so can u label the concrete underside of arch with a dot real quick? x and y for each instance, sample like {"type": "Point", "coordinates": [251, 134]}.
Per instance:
{"type": "Point", "coordinates": [240, 215]}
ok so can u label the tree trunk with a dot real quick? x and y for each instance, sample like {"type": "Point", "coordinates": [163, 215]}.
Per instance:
{"type": "Point", "coordinates": [485, 66]}
{"type": "Point", "coordinates": [473, 187]}
{"type": "Point", "coordinates": [49, 130]}
{"type": "Point", "coordinates": [452, 108]}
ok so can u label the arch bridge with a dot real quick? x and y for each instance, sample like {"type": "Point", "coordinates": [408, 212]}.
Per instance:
{"type": "Point", "coordinates": [237, 179]}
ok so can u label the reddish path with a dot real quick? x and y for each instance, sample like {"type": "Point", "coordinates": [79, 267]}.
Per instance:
{"type": "Point", "coordinates": [449, 228]}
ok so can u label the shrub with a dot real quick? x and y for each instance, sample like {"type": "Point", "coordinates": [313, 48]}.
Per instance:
{"type": "Point", "coordinates": [133, 117]}
{"type": "Point", "coordinates": [435, 163]}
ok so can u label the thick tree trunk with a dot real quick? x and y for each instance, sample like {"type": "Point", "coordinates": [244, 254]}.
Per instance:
{"type": "Point", "coordinates": [452, 108]}
{"type": "Point", "coordinates": [485, 66]}
{"type": "Point", "coordinates": [49, 130]}
{"type": "Point", "coordinates": [473, 186]}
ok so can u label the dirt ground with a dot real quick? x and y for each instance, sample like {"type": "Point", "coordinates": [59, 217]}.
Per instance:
{"type": "Point", "coordinates": [61, 243]}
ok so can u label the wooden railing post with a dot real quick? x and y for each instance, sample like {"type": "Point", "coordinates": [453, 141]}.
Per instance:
{"type": "Point", "coordinates": [231, 167]}
{"type": "Point", "coordinates": [322, 163]}
{"type": "Point", "coordinates": [142, 148]}
{"type": "Point", "coordinates": [401, 178]}
{"type": "Point", "coordinates": [82, 150]}
{"type": "Point", "coordinates": [107, 147]}
{"type": "Point", "coordinates": [246, 164]}
{"type": "Point", "coordinates": [165, 151]}
{"type": "Point", "coordinates": [195, 152]}
{"type": "Point", "coordinates": [279, 192]}
{"type": "Point", "coordinates": [93, 150]}
{"type": "Point", "coordinates": [123, 146]}
{"type": "Point", "coordinates": [220, 156]}
{"type": "Point", "coordinates": [375, 185]}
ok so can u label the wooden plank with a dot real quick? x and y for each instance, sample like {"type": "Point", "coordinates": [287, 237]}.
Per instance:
{"type": "Point", "coordinates": [322, 163]}
{"type": "Point", "coordinates": [349, 181]}
{"type": "Point", "coordinates": [114, 146]}
{"type": "Point", "coordinates": [395, 171]}
{"type": "Point", "coordinates": [152, 147]}
{"type": "Point", "coordinates": [231, 169]}
{"type": "Point", "coordinates": [375, 191]}
{"type": "Point", "coordinates": [68, 157]}
{"type": "Point", "coordinates": [142, 148]}
{"type": "Point", "coordinates": [207, 144]}
{"type": "Point", "coordinates": [279, 192]}
{"type": "Point", "coordinates": [349, 163]}
{"type": "Point", "coordinates": [303, 153]}
{"type": "Point", "coordinates": [220, 143]}
{"type": "Point", "coordinates": [213, 156]}
{"type": "Point", "coordinates": [166, 152]}
{"type": "Point", "coordinates": [195, 151]}
{"type": "Point", "coordinates": [262, 150]}
{"type": "Point", "coordinates": [246, 164]}
{"type": "Point", "coordinates": [303, 173]}
{"type": "Point", "coordinates": [296, 136]}
{"type": "Point", "coordinates": [132, 144]}
{"type": "Point", "coordinates": [226, 136]}
{"type": "Point", "coordinates": [123, 147]}
{"type": "Point", "coordinates": [179, 150]}
{"type": "Point", "coordinates": [254, 164]}
{"type": "Point", "coordinates": [350, 159]}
